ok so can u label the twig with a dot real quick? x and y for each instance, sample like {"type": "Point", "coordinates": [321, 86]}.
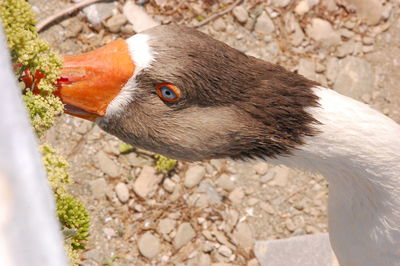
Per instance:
{"type": "Point", "coordinates": [219, 14]}
{"type": "Point", "coordinates": [44, 23]}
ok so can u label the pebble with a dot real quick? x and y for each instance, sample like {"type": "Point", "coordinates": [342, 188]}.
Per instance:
{"type": "Point", "coordinates": [253, 262]}
{"type": "Point", "coordinates": [281, 176]}
{"type": "Point", "coordinates": [306, 68]}
{"type": "Point", "coordinates": [240, 13]}
{"type": "Point", "coordinates": [98, 188]}
{"type": "Point", "coordinates": [169, 185]}
{"type": "Point", "coordinates": [346, 33]}
{"type": "Point", "coordinates": [107, 165]}
{"type": "Point", "coordinates": [115, 23]}
{"type": "Point", "coordinates": [149, 245]}
{"type": "Point", "coordinates": [135, 160]}
{"type": "Point", "coordinates": [322, 32]}
{"type": "Point", "coordinates": [369, 11]}
{"type": "Point", "coordinates": [203, 260]}
{"type": "Point", "coordinates": [304, 6]}
{"type": "Point", "coordinates": [96, 13]}
{"type": "Point", "coordinates": [355, 77]}
{"type": "Point", "coordinates": [332, 68]}
{"type": "Point", "coordinates": [347, 48]}
{"type": "Point", "coordinates": [367, 40]}
{"type": "Point", "coordinates": [281, 3]}
{"type": "Point", "coordinates": [243, 235]}
{"type": "Point", "coordinates": [194, 175]}
{"type": "Point", "coordinates": [122, 192]}
{"type": "Point", "coordinates": [219, 25]}
{"type": "Point", "coordinates": [225, 182]}
{"type": "Point", "coordinates": [236, 196]}
{"type": "Point", "coordinates": [225, 251]}
{"type": "Point", "coordinates": [138, 17]}
{"type": "Point", "coordinates": [261, 168]}
{"type": "Point", "coordinates": [184, 235]}
{"type": "Point", "coordinates": [264, 24]}
{"type": "Point", "coordinates": [165, 226]}
{"type": "Point", "coordinates": [147, 182]}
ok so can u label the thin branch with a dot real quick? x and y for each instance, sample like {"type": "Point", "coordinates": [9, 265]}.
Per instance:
{"type": "Point", "coordinates": [219, 14]}
{"type": "Point", "coordinates": [44, 23]}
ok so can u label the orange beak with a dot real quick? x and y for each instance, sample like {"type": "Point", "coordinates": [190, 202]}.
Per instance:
{"type": "Point", "coordinates": [90, 81]}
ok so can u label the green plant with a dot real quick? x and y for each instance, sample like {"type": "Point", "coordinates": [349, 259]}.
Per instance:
{"type": "Point", "coordinates": [164, 164]}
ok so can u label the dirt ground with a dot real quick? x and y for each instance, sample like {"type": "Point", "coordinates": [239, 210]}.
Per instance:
{"type": "Point", "coordinates": [233, 203]}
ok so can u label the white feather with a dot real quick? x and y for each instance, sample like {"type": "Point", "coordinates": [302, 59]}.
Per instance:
{"type": "Point", "coordinates": [358, 153]}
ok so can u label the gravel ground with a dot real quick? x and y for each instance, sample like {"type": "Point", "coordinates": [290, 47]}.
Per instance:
{"type": "Point", "coordinates": [212, 212]}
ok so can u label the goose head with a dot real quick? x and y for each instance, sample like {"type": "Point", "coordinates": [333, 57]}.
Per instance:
{"type": "Point", "coordinates": [178, 92]}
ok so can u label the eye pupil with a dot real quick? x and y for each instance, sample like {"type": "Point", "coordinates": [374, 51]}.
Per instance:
{"type": "Point", "coordinates": [168, 93]}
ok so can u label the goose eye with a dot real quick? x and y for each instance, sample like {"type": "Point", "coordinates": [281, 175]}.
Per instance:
{"type": "Point", "coordinates": [168, 92]}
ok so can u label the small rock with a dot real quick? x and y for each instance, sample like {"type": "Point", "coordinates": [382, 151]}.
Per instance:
{"type": "Point", "coordinates": [355, 77]}
{"type": "Point", "coordinates": [115, 23]}
{"type": "Point", "coordinates": [225, 251]}
{"type": "Point", "coordinates": [219, 25]}
{"type": "Point", "coordinates": [264, 24]}
{"type": "Point", "coordinates": [122, 192]}
{"type": "Point", "coordinates": [149, 245]}
{"type": "Point", "coordinates": [98, 188]}
{"type": "Point", "coordinates": [96, 13]}
{"type": "Point", "coordinates": [306, 68]}
{"type": "Point", "coordinates": [169, 185]}
{"type": "Point", "coordinates": [322, 32]}
{"type": "Point", "coordinates": [281, 176]}
{"type": "Point", "coordinates": [281, 3]}
{"type": "Point", "coordinates": [225, 182]}
{"type": "Point", "coordinates": [332, 68]}
{"type": "Point", "coordinates": [194, 175]}
{"type": "Point", "coordinates": [347, 48]}
{"type": "Point", "coordinates": [240, 13]}
{"type": "Point", "coordinates": [184, 235]}
{"type": "Point", "coordinates": [261, 168]}
{"type": "Point", "coordinates": [369, 11]}
{"type": "Point", "coordinates": [367, 48]}
{"type": "Point", "coordinates": [346, 33]}
{"type": "Point", "coordinates": [135, 160]}
{"type": "Point", "coordinates": [243, 236]}
{"type": "Point", "coordinates": [203, 260]}
{"type": "Point", "coordinates": [138, 17]}
{"type": "Point", "coordinates": [367, 40]}
{"type": "Point", "coordinates": [236, 196]}
{"type": "Point", "coordinates": [108, 166]}
{"type": "Point", "coordinates": [267, 207]}
{"type": "Point", "coordinates": [253, 262]}
{"type": "Point", "coordinates": [109, 232]}
{"type": "Point", "coordinates": [147, 182]}
{"type": "Point", "coordinates": [165, 226]}
{"type": "Point", "coordinates": [304, 6]}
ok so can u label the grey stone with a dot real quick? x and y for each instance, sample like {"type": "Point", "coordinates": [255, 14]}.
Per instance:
{"type": "Point", "coordinates": [98, 188]}
{"type": "Point", "coordinates": [135, 160]}
{"type": "Point", "coordinates": [138, 17]}
{"type": "Point", "coordinates": [307, 250]}
{"type": "Point", "coordinates": [240, 13]}
{"type": "Point", "coordinates": [115, 23]}
{"type": "Point", "coordinates": [165, 226]}
{"type": "Point", "coordinates": [169, 185]}
{"type": "Point", "coordinates": [369, 11]}
{"type": "Point", "coordinates": [149, 245]}
{"type": "Point", "coordinates": [280, 3]}
{"type": "Point", "coordinates": [96, 13]}
{"type": "Point", "coordinates": [194, 175]}
{"type": "Point", "coordinates": [236, 196]}
{"type": "Point", "coordinates": [225, 182]}
{"type": "Point", "coordinates": [212, 194]}
{"type": "Point", "coordinates": [355, 77]}
{"type": "Point", "coordinates": [322, 32]}
{"type": "Point", "coordinates": [147, 182]}
{"type": "Point", "coordinates": [219, 25]}
{"type": "Point", "coordinates": [107, 165]}
{"type": "Point", "coordinates": [264, 24]}
{"type": "Point", "coordinates": [184, 235]}
{"type": "Point", "coordinates": [281, 176]}
{"type": "Point", "coordinates": [243, 236]}
{"type": "Point", "coordinates": [122, 192]}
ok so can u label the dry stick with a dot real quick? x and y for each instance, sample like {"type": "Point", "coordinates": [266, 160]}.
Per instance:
{"type": "Point", "coordinates": [44, 23]}
{"type": "Point", "coordinates": [219, 14]}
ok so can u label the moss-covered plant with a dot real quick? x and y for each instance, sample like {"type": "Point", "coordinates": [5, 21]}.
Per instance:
{"type": "Point", "coordinates": [34, 61]}
{"type": "Point", "coordinates": [164, 164]}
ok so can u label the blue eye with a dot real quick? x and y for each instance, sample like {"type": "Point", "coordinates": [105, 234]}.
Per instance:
{"type": "Point", "coordinates": [168, 92]}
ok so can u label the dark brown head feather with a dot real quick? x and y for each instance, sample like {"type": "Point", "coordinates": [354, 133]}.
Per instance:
{"type": "Point", "coordinates": [232, 105]}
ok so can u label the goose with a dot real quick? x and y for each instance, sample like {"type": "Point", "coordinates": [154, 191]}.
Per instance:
{"type": "Point", "coordinates": [176, 91]}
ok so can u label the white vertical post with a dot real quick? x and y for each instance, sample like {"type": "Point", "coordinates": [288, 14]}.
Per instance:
{"type": "Point", "coordinates": [29, 231]}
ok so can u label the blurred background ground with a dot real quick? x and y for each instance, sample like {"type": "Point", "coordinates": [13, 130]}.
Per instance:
{"type": "Point", "coordinates": [213, 211]}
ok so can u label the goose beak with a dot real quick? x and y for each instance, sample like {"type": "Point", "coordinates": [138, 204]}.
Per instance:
{"type": "Point", "coordinates": [90, 81]}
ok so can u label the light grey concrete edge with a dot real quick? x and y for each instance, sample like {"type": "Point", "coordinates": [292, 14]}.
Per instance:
{"type": "Point", "coordinates": [29, 231]}
{"type": "Point", "coordinates": [305, 250]}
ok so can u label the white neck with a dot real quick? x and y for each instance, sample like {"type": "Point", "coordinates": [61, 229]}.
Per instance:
{"type": "Point", "coordinates": [358, 153]}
